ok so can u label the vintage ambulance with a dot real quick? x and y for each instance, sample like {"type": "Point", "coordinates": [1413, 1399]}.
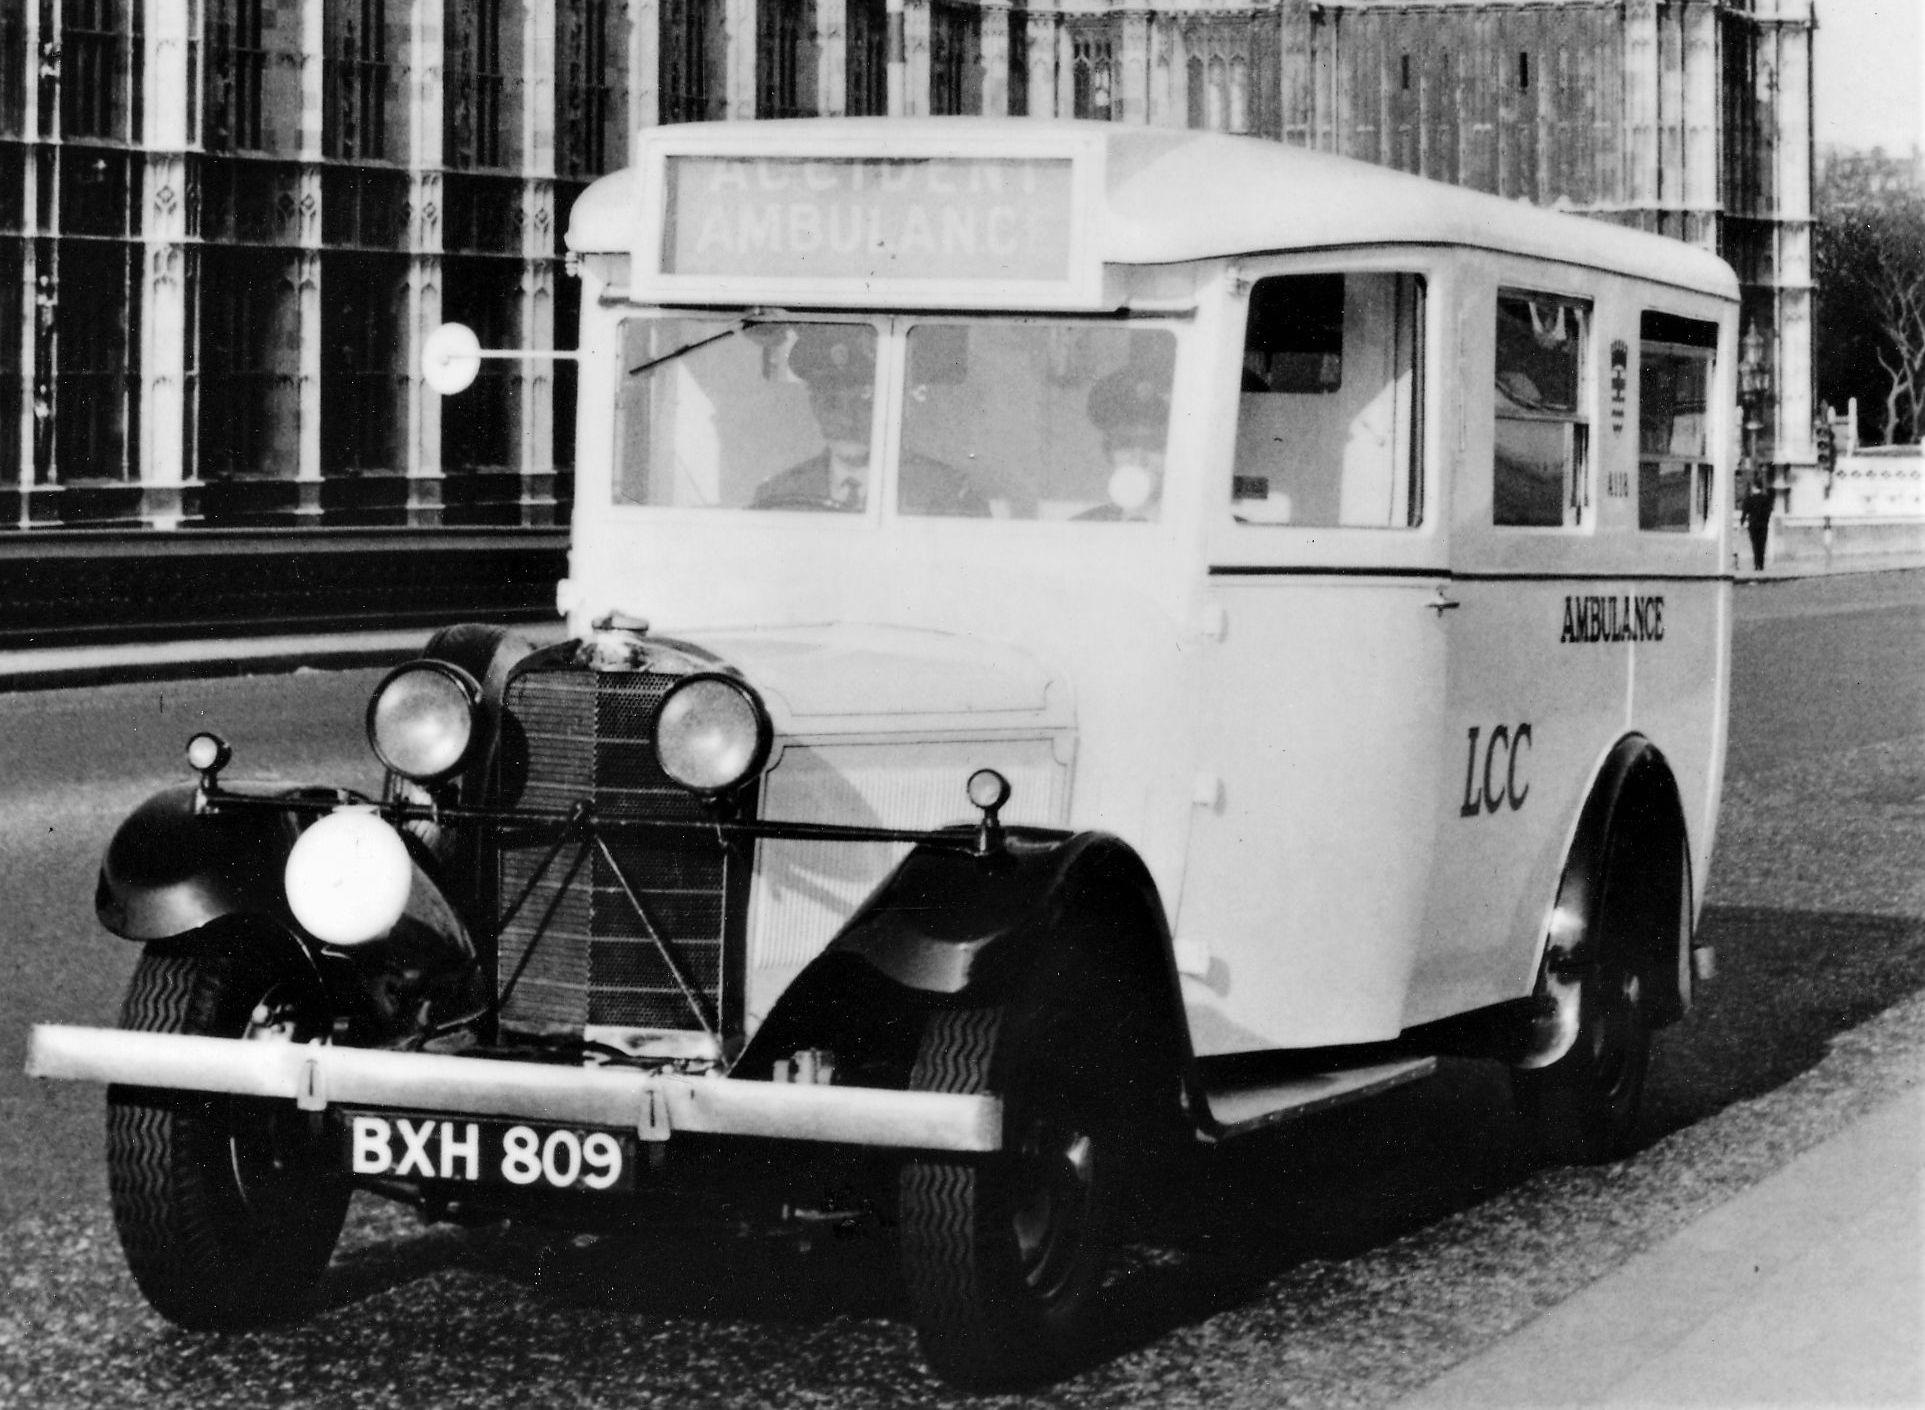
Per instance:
{"type": "Point", "coordinates": [1081, 641]}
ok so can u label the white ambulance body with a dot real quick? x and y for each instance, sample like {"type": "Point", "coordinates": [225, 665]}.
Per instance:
{"type": "Point", "coordinates": [1082, 642]}
{"type": "Point", "coordinates": [1349, 689]}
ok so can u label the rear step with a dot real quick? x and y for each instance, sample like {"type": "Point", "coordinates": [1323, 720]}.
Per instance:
{"type": "Point", "coordinates": [1240, 1107]}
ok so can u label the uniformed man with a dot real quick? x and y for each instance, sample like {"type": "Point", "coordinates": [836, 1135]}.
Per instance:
{"type": "Point", "coordinates": [838, 364]}
{"type": "Point", "coordinates": [1131, 409]}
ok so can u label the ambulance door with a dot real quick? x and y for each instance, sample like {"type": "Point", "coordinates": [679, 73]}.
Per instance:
{"type": "Point", "coordinates": [1320, 669]}
{"type": "Point", "coordinates": [1528, 714]}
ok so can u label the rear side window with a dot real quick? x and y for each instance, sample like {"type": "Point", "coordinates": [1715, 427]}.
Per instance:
{"type": "Point", "coordinates": [1329, 413]}
{"type": "Point", "coordinates": [1674, 383]}
{"type": "Point", "coordinates": [1542, 437]}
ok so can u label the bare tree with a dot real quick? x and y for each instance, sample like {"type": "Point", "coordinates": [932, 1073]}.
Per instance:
{"type": "Point", "coordinates": [1871, 269]}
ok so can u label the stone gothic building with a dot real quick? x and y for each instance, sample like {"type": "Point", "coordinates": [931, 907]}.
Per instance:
{"type": "Point", "coordinates": [225, 225]}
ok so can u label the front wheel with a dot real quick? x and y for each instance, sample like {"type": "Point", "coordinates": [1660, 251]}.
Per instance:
{"type": "Point", "coordinates": [1003, 1256]}
{"type": "Point", "coordinates": [228, 1209]}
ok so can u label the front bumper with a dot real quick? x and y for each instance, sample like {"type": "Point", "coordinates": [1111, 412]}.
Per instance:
{"type": "Point", "coordinates": [654, 1105]}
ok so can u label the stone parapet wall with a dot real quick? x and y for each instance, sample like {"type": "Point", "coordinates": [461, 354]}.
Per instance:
{"type": "Point", "coordinates": [1805, 543]}
{"type": "Point", "coordinates": [1871, 505]}
{"type": "Point", "coordinates": [1876, 484]}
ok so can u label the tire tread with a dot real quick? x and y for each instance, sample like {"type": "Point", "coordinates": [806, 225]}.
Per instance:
{"type": "Point", "coordinates": [202, 1258]}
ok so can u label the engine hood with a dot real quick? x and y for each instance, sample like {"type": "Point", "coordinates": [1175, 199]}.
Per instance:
{"type": "Point", "coordinates": [855, 678]}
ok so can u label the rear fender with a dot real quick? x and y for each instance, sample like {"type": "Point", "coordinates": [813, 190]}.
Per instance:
{"type": "Point", "coordinates": [947, 928]}
{"type": "Point", "coordinates": [1630, 853]}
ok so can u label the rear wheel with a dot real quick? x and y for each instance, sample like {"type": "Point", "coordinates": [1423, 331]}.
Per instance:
{"type": "Point", "coordinates": [1003, 1256]}
{"type": "Point", "coordinates": [1583, 1108]}
{"type": "Point", "coordinates": [228, 1209]}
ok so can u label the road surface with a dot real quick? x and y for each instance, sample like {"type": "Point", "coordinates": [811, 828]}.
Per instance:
{"type": "Point", "coordinates": [1342, 1265]}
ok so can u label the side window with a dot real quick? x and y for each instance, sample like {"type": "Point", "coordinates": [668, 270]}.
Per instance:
{"type": "Point", "coordinates": [1674, 383]}
{"type": "Point", "coordinates": [1541, 475]}
{"type": "Point", "coordinates": [1328, 421]}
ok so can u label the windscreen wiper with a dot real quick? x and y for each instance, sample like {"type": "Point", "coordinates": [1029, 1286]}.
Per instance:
{"type": "Point", "coordinates": [673, 353]}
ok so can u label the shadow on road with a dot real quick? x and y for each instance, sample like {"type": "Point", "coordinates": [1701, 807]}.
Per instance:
{"type": "Point", "coordinates": [1788, 983]}
{"type": "Point", "coordinates": [1320, 1194]}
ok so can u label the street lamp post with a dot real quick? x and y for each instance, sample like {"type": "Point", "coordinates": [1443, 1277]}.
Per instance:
{"type": "Point", "coordinates": [1754, 386]}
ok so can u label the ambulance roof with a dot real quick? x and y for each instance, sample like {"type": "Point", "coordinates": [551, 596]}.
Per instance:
{"type": "Point", "coordinates": [1172, 195]}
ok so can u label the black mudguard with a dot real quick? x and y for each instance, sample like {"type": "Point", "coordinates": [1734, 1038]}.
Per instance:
{"type": "Point", "coordinates": [948, 923]}
{"type": "Point", "coordinates": [171, 869]}
{"type": "Point", "coordinates": [1632, 819]}
{"type": "Point", "coordinates": [950, 928]}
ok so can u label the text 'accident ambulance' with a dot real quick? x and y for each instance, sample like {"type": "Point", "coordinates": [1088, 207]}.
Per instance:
{"type": "Point", "coordinates": [1083, 642]}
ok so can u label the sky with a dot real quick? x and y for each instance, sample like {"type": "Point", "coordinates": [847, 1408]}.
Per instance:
{"type": "Point", "coordinates": [1868, 74]}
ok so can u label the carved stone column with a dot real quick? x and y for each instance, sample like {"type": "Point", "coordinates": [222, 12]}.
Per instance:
{"type": "Point", "coordinates": [16, 495]}
{"type": "Point", "coordinates": [1638, 140]}
{"type": "Point", "coordinates": [915, 52]}
{"type": "Point", "coordinates": [740, 25]}
{"type": "Point", "coordinates": [1671, 120]}
{"type": "Point", "coordinates": [1296, 73]}
{"type": "Point", "coordinates": [1132, 78]}
{"type": "Point", "coordinates": [163, 296]}
{"type": "Point", "coordinates": [995, 59]}
{"type": "Point", "coordinates": [896, 67]}
{"type": "Point", "coordinates": [644, 62]}
{"type": "Point", "coordinates": [426, 53]}
{"type": "Point", "coordinates": [1326, 61]}
{"type": "Point", "coordinates": [1702, 84]}
{"type": "Point", "coordinates": [1792, 215]}
{"type": "Point", "coordinates": [1065, 71]}
{"type": "Point", "coordinates": [1041, 19]}
{"type": "Point", "coordinates": [308, 276]}
{"type": "Point", "coordinates": [832, 63]}
{"type": "Point", "coordinates": [1168, 94]}
{"type": "Point", "coordinates": [537, 428]}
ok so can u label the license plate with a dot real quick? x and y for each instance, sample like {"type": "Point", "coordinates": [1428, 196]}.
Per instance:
{"type": "Point", "coordinates": [517, 1154]}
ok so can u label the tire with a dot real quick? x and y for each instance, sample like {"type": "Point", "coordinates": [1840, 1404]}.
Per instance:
{"type": "Point", "coordinates": [1003, 1256]}
{"type": "Point", "coordinates": [228, 1209]}
{"type": "Point", "coordinates": [1583, 1108]}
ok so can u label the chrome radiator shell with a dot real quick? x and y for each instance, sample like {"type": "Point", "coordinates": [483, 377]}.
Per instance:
{"type": "Point", "coordinates": [574, 952]}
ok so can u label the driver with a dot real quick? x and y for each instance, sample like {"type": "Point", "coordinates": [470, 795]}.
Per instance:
{"type": "Point", "coordinates": [838, 365]}
{"type": "Point", "coordinates": [1131, 408]}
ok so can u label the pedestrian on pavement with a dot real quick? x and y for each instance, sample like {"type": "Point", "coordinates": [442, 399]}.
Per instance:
{"type": "Point", "coordinates": [1756, 514]}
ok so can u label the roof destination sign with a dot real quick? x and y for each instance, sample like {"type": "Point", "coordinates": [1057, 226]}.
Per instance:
{"type": "Point", "coordinates": [869, 218]}
{"type": "Point", "coordinates": [978, 226]}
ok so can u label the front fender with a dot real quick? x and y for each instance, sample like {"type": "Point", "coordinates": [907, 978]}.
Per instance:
{"type": "Point", "coordinates": [171, 869]}
{"type": "Point", "coordinates": [948, 927]}
{"type": "Point", "coordinates": [945, 922]}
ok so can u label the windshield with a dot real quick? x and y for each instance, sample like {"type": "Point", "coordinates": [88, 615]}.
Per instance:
{"type": "Point", "coordinates": [1013, 419]}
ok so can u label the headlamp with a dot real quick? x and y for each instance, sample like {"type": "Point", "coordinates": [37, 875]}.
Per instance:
{"type": "Point", "coordinates": [711, 734]}
{"type": "Point", "coordinates": [348, 877]}
{"type": "Point", "coordinates": [421, 720]}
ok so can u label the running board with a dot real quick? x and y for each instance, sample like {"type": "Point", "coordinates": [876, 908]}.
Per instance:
{"type": "Point", "coordinates": [1239, 1109]}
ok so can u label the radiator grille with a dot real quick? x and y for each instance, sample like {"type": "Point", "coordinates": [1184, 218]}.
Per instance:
{"type": "Point", "coordinates": [583, 955]}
